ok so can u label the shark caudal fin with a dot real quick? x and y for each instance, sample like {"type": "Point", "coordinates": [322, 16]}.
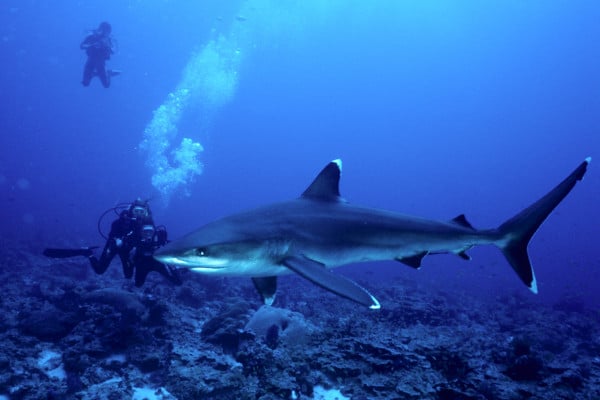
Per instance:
{"type": "Point", "coordinates": [518, 231]}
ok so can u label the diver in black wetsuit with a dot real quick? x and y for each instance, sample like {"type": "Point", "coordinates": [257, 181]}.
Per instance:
{"type": "Point", "coordinates": [150, 239]}
{"type": "Point", "coordinates": [120, 241]}
{"type": "Point", "coordinates": [134, 229]}
{"type": "Point", "coordinates": [98, 46]}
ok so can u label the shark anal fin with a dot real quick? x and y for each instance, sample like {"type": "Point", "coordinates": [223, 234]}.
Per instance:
{"type": "Point", "coordinates": [319, 275]}
{"type": "Point", "coordinates": [413, 261]}
{"type": "Point", "coordinates": [266, 287]}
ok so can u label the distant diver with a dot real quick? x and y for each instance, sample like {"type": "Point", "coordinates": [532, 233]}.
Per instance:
{"type": "Point", "coordinates": [99, 46]}
{"type": "Point", "coordinates": [133, 229]}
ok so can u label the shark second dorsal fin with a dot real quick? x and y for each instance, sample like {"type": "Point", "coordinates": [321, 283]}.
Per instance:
{"type": "Point", "coordinates": [326, 186]}
{"type": "Point", "coordinates": [462, 221]}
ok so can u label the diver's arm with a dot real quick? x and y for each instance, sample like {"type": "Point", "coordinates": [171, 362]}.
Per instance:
{"type": "Point", "coordinates": [87, 42]}
{"type": "Point", "coordinates": [160, 238]}
{"type": "Point", "coordinates": [120, 231]}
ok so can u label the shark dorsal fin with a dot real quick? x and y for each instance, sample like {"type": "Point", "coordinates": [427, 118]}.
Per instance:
{"type": "Point", "coordinates": [326, 186]}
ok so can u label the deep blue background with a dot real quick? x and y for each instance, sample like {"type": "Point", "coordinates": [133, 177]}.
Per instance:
{"type": "Point", "coordinates": [436, 108]}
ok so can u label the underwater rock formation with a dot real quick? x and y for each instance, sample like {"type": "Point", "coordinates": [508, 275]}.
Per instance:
{"type": "Point", "coordinates": [75, 336]}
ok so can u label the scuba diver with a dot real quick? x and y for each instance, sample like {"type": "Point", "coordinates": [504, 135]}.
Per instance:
{"type": "Point", "coordinates": [99, 46]}
{"type": "Point", "coordinates": [133, 229]}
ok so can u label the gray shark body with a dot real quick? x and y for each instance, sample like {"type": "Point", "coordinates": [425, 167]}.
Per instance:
{"type": "Point", "coordinates": [320, 231]}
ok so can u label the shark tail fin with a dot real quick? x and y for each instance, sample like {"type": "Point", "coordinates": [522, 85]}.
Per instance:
{"type": "Point", "coordinates": [516, 233]}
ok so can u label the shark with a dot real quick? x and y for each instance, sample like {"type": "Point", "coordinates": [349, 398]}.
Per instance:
{"type": "Point", "coordinates": [320, 230]}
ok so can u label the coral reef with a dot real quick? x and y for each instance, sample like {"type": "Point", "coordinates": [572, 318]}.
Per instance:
{"type": "Point", "coordinates": [71, 334]}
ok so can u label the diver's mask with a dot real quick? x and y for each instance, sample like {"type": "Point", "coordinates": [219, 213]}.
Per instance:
{"type": "Point", "coordinates": [139, 212]}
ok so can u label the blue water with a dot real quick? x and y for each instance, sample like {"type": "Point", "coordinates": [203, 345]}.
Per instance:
{"type": "Point", "coordinates": [436, 109]}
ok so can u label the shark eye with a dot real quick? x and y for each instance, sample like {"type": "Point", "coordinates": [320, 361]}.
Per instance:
{"type": "Point", "coordinates": [201, 251]}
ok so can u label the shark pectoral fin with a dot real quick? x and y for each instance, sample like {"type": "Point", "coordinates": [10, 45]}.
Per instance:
{"type": "Point", "coordinates": [266, 286]}
{"type": "Point", "coordinates": [413, 261]}
{"type": "Point", "coordinates": [319, 275]}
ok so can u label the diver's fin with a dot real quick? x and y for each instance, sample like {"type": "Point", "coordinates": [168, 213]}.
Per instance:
{"type": "Point", "coordinates": [318, 274]}
{"type": "Point", "coordinates": [66, 253]}
{"type": "Point", "coordinates": [266, 287]}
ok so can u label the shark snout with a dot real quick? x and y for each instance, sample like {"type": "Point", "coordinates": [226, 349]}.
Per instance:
{"type": "Point", "coordinates": [188, 258]}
